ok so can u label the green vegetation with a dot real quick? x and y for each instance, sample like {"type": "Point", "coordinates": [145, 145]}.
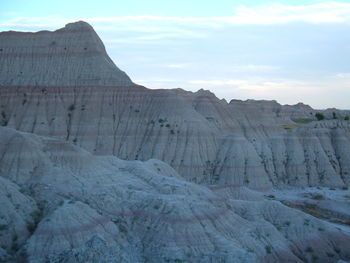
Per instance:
{"type": "Point", "coordinates": [319, 116]}
{"type": "Point", "coordinates": [3, 227]}
{"type": "Point", "coordinates": [4, 120]}
{"type": "Point", "coordinates": [268, 249]}
{"type": "Point", "coordinates": [346, 118]}
{"type": "Point", "coordinates": [309, 250]}
{"type": "Point", "coordinates": [287, 223]}
{"type": "Point", "coordinates": [334, 115]}
{"type": "Point", "coordinates": [302, 120]}
{"type": "Point", "coordinates": [71, 107]}
{"type": "Point", "coordinates": [298, 123]}
{"type": "Point", "coordinates": [318, 197]}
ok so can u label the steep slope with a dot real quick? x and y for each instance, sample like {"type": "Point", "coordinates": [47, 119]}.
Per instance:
{"type": "Point", "coordinates": [208, 141]}
{"type": "Point", "coordinates": [71, 56]}
{"type": "Point", "coordinates": [145, 212]}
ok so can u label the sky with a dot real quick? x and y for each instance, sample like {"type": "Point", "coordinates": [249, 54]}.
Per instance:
{"type": "Point", "coordinates": [289, 51]}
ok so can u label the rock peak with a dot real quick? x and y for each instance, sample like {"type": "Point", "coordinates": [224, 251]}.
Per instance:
{"type": "Point", "coordinates": [79, 25]}
{"type": "Point", "coordinates": [70, 56]}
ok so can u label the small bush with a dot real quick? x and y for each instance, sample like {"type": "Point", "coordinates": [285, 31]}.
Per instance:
{"type": "Point", "coordinates": [122, 228]}
{"type": "Point", "coordinates": [302, 120]}
{"type": "Point", "coordinates": [268, 249]}
{"type": "Point", "coordinates": [319, 116]}
{"type": "Point", "coordinates": [346, 118]}
{"type": "Point", "coordinates": [334, 115]}
{"type": "Point", "coordinates": [345, 188]}
{"type": "Point", "coordinates": [309, 250]}
{"type": "Point", "coordinates": [336, 249]}
{"type": "Point", "coordinates": [3, 227]}
{"type": "Point", "coordinates": [71, 107]}
{"type": "Point", "coordinates": [318, 197]}
{"type": "Point", "coordinates": [314, 257]}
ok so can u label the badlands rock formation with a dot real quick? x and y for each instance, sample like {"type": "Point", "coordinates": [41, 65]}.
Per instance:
{"type": "Point", "coordinates": [80, 180]}
{"type": "Point", "coordinates": [87, 207]}
{"type": "Point", "coordinates": [71, 56]}
{"type": "Point", "coordinates": [63, 84]}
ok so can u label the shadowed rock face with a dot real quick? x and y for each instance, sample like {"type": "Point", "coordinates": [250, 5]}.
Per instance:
{"type": "Point", "coordinates": [102, 207]}
{"type": "Point", "coordinates": [80, 96]}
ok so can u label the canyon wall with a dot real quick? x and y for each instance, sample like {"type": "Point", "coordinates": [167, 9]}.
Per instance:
{"type": "Point", "coordinates": [63, 84]}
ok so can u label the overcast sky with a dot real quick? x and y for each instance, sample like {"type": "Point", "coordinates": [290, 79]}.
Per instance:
{"type": "Point", "coordinates": [290, 51]}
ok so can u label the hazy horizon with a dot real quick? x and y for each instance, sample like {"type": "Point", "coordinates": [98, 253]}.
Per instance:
{"type": "Point", "coordinates": [288, 51]}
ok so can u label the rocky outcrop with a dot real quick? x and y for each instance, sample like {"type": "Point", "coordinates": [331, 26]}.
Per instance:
{"type": "Point", "coordinates": [71, 56]}
{"type": "Point", "coordinates": [95, 250]}
{"type": "Point", "coordinates": [18, 215]}
{"type": "Point", "coordinates": [145, 212]}
{"type": "Point", "coordinates": [85, 99]}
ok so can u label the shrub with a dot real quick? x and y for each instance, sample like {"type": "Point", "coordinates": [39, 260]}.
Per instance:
{"type": "Point", "coordinates": [319, 116]}
{"type": "Point", "coordinates": [3, 227]}
{"type": "Point", "coordinates": [318, 197]}
{"type": "Point", "coordinates": [346, 118]}
{"type": "Point", "coordinates": [268, 249]}
{"type": "Point", "coordinates": [309, 250]}
{"type": "Point", "coordinates": [334, 115]}
{"type": "Point", "coordinates": [302, 120]}
{"type": "Point", "coordinates": [71, 107]}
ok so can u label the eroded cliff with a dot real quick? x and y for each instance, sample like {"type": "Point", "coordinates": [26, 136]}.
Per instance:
{"type": "Point", "coordinates": [80, 96]}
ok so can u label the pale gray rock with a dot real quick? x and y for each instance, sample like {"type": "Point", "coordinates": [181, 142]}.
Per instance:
{"type": "Point", "coordinates": [80, 96]}
{"type": "Point", "coordinates": [71, 226]}
{"type": "Point", "coordinates": [72, 199]}
{"type": "Point", "coordinates": [95, 250]}
{"type": "Point", "coordinates": [145, 212]}
{"type": "Point", "coordinates": [71, 56]}
{"type": "Point", "coordinates": [17, 217]}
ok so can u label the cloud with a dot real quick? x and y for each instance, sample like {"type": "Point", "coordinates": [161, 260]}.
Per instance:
{"type": "Point", "coordinates": [276, 13]}
{"type": "Point", "coordinates": [271, 13]}
{"type": "Point", "coordinates": [320, 94]}
{"type": "Point", "coordinates": [178, 65]}
{"type": "Point", "coordinates": [271, 51]}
